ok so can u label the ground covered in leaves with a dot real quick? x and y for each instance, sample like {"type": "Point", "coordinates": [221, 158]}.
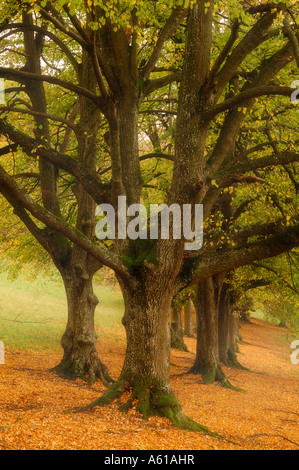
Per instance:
{"type": "Point", "coordinates": [39, 410]}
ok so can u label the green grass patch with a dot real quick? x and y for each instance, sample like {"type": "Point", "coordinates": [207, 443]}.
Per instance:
{"type": "Point", "coordinates": [33, 312]}
{"type": "Point", "coordinates": [260, 315]}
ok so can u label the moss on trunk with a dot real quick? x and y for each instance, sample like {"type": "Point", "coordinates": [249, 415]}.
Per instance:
{"type": "Point", "coordinates": [151, 400]}
{"type": "Point", "coordinates": [211, 374]}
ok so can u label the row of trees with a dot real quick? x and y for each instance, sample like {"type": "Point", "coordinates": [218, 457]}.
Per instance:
{"type": "Point", "coordinates": [158, 102]}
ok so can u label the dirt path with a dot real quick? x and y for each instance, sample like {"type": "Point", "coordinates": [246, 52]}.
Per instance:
{"type": "Point", "coordinates": [37, 407]}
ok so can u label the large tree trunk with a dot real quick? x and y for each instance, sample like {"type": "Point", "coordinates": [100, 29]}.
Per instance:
{"type": "Point", "coordinates": [207, 361]}
{"type": "Point", "coordinates": [228, 330]}
{"type": "Point", "coordinates": [149, 289]}
{"type": "Point", "coordinates": [146, 366]}
{"type": "Point", "coordinates": [80, 358]}
{"type": "Point", "coordinates": [176, 329]}
{"type": "Point", "coordinates": [207, 355]}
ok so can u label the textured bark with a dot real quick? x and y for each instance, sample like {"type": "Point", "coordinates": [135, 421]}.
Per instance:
{"type": "Point", "coordinates": [188, 324]}
{"type": "Point", "coordinates": [207, 361]}
{"type": "Point", "coordinates": [228, 329]}
{"type": "Point", "coordinates": [79, 340]}
{"type": "Point", "coordinates": [145, 371]}
{"type": "Point", "coordinates": [146, 365]}
{"type": "Point", "coordinates": [207, 355]}
{"type": "Point", "coordinates": [176, 329]}
{"type": "Point", "coordinates": [80, 357]}
{"type": "Point", "coordinates": [224, 326]}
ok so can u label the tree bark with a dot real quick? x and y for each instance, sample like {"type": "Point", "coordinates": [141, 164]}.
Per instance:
{"type": "Point", "coordinates": [80, 357]}
{"type": "Point", "coordinates": [188, 327]}
{"type": "Point", "coordinates": [176, 329]}
{"type": "Point", "coordinates": [145, 371]}
{"type": "Point", "coordinates": [207, 354]}
{"type": "Point", "coordinates": [207, 361]}
{"type": "Point", "coordinates": [228, 330]}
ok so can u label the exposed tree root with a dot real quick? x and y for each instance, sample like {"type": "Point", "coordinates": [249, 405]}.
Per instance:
{"type": "Point", "coordinates": [213, 374]}
{"type": "Point", "coordinates": [232, 361]}
{"type": "Point", "coordinates": [179, 344]}
{"type": "Point", "coordinates": [151, 401]}
{"type": "Point", "coordinates": [87, 370]}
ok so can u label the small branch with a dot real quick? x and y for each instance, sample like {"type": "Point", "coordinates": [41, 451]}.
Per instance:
{"type": "Point", "coordinates": [252, 436]}
{"type": "Point", "coordinates": [40, 114]}
{"type": "Point", "coordinates": [241, 179]}
{"type": "Point", "coordinates": [27, 175]}
{"type": "Point", "coordinates": [45, 32]}
{"type": "Point", "coordinates": [62, 27]}
{"type": "Point", "coordinates": [152, 85]}
{"type": "Point", "coordinates": [20, 321]}
{"type": "Point", "coordinates": [145, 157]}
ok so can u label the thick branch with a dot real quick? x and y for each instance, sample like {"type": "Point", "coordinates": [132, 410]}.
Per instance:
{"type": "Point", "coordinates": [225, 51]}
{"type": "Point", "coordinates": [208, 264]}
{"type": "Point", "coordinates": [152, 85]}
{"type": "Point", "coordinates": [249, 42]}
{"type": "Point", "coordinates": [282, 158]}
{"type": "Point", "coordinates": [169, 28]}
{"type": "Point", "coordinates": [245, 95]}
{"type": "Point", "coordinates": [31, 112]}
{"type": "Point", "coordinates": [23, 77]}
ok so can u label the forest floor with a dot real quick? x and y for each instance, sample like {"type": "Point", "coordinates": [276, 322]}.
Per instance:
{"type": "Point", "coordinates": [38, 409]}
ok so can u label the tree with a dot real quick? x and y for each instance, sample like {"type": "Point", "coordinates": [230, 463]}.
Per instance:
{"type": "Point", "coordinates": [279, 302]}
{"type": "Point", "coordinates": [121, 52]}
{"type": "Point", "coordinates": [74, 264]}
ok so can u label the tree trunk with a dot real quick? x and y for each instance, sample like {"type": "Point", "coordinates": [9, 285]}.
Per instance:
{"type": "Point", "coordinates": [224, 330]}
{"type": "Point", "coordinates": [207, 355]}
{"type": "Point", "coordinates": [145, 371]}
{"type": "Point", "coordinates": [188, 331]}
{"type": "Point", "coordinates": [176, 329]}
{"type": "Point", "coordinates": [207, 361]}
{"type": "Point", "coordinates": [80, 357]}
{"type": "Point", "coordinates": [228, 330]}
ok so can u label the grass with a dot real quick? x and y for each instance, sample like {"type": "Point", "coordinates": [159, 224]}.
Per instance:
{"type": "Point", "coordinates": [259, 314]}
{"type": "Point", "coordinates": [33, 312]}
